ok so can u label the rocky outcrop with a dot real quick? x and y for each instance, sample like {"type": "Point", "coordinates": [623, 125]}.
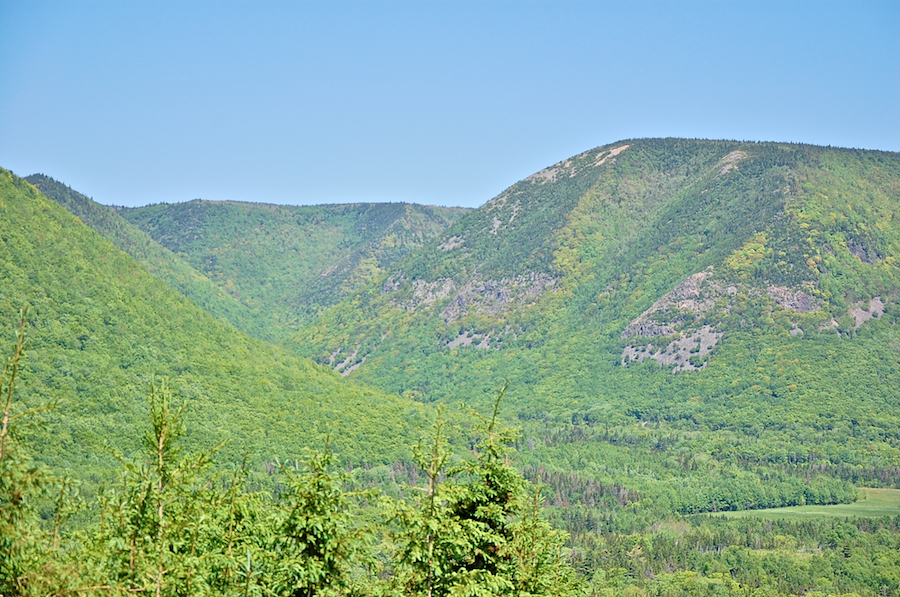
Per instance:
{"type": "Point", "coordinates": [728, 162]}
{"type": "Point", "coordinates": [485, 296]}
{"type": "Point", "coordinates": [423, 292]}
{"type": "Point", "coordinates": [468, 338]}
{"type": "Point", "coordinates": [686, 302]}
{"type": "Point", "coordinates": [865, 254]}
{"type": "Point", "coordinates": [451, 243]}
{"type": "Point", "coordinates": [604, 156]}
{"type": "Point", "coordinates": [672, 315]}
{"type": "Point", "coordinates": [686, 353]}
{"type": "Point", "coordinates": [491, 297]}
{"type": "Point", "coordinates": [861, 315]}
{"type": "Point", "coordinates": [793, 299]}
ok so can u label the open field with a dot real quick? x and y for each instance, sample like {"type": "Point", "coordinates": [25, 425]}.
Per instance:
{"type": "Point", "coordinates": [875, 502]}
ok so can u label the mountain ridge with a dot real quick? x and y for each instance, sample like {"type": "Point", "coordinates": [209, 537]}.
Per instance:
{"type": "Point", "coordinates": [101, 329]}
{"type": "Point", "coordinates": [426, 287]}
{"type": "Point", "coordinates": [697, 293]}
{"type": "Point", "coordinates": [290, 261]}
{"type": "Point", "coordinates": [155, 258]}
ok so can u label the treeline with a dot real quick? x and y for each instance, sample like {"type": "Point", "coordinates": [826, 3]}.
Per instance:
{"type": "Point", "coordinates": [716, 556]}
{"type": "Point", "coordinates": [668, 472]}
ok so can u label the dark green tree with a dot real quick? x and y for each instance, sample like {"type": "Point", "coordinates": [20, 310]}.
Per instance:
{"type": "Point", "coordinates": [316, 546]}
{"type": "Point", "coordinates": [475, 534]}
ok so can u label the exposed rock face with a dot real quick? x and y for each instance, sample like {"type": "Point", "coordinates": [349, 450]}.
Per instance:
{"type": "Point", "coordinates": [677, 316]}
{"type": "Point", "coordinates": [670, 315]}
{"type": "Point", "coordinates": [348, 364]}
{"type": "Point", "coordinates": [729, 161]}
{"type": "Point", "coordinates": [545, 175]}
{"type": "Point", "coordinates": [487, 296]}
{"type": "Point", "coordinates": [689, 300]}
{"type": "Point", "coordinates": [568, 167]}
{"type": "Point", "coordinates": [610, 155]}
{"type": "Point", "coordinates": [451, 243]}
{"type": "Point", "coordinates": [491, 297]}
{"type": "Point", "coordinates": [425, 293]}
{"type": "Point", "coordinates": [679, 352]}
{"type": "Point", "coordinates": [502, 213]}
{"type": "Point", "coordinates": [467, 338]}
{"type": "Point", "coordinates": [793, 299]}
{"type": "Point", "coordinates": [860, 315]}
{"type": "Point", "coordinates": [865, 255]}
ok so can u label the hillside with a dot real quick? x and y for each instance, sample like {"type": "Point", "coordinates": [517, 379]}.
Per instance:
{"type": "Point", "coordinates": [290, 262]}
{"type": "Point", "coordinates": [715, 317]}
{"type": "Point", "coordinates": [101, 329]}
{"type": "Point", "coordinates": [157, 260]}
{"type": "Point", "coordinates": [686, 328]}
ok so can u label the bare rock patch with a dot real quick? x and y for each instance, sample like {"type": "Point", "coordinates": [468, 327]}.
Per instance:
{"type": "Point", "coordinates": [330, 270]}
{"type": "Point", "coordinates": [612, 153]}
{"type": "Point", "coordinates": [866, 255]}
{"type": "Point", "coordinates": [688, 301]}
{"type": "Point", "coordinates": [874, 311]}
{"type": "Point", "coordinates": [468, 337]}
{"type": "Point", "coordinates": [793, 299]}
{"type": "Point", "coordinates": [491, 297]}
{"type": "Point", "coordinates": [543, 176]}
{"type": "Point", "coordinates": [679, 352]}
{"type": "Point", "coordinates": [729, 162]}
{"type": "Point", "coordinates": [451, 243]}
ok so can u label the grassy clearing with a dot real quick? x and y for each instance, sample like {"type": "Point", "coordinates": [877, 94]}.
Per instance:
{"type": "Point", "coordinates": [875, 502]}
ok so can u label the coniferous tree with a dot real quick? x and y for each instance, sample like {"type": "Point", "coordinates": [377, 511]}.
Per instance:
{"type": "Point", "coordinates": [316, 546]}
{"type": "Point", "coordinates": [474, 534]}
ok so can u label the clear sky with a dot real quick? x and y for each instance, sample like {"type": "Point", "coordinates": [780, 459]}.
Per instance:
{"type": "Point", "coordinates": [434, 102]}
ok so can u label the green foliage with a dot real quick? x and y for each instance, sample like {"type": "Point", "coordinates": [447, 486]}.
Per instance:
{"type": "Point", "coordinates": [169, 528]}
{"type": "Point", "coordinates": [158, 260]}
{"type": "Point", "coordinates": [286, 263]}
{"type": "Point", "coordinates": [19, 482]}
{"type": "Point", "coordinates": [711, 556]}
{"type": "Point", "coordinates": [101, 328]}
{"type": "Point", "coordinates": [317, 543]}
{"type": "Point", "coordinates": [476, 535]}
{"type": "Point", "coordinates": [794, 406]}
{"type": "Point", "coordinates": [786, 410]}
{"type": "Point", "coordinates": [151, 524]}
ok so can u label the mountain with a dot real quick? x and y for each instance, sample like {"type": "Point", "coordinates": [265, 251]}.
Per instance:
{"type": "Point", "coordinates": [683, 327]}
{"type": "Point", "coordinates": [101, 329]}
{"type": "Point", "coordinates": [287, 263]}
{"type": "Point", "coordinates": [731, 302]}
{"type": "Point", "coordinates": [156, 259]}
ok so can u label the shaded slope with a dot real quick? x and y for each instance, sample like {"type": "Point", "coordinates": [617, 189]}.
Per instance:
{"type": "Point", "coordinates": [156, 259]}
{"type": "Point", "coordinates": [101, 328]}
{"type": "Point", "coordinates": [291, 261]}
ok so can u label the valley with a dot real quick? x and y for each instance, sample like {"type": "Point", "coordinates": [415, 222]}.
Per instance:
{"type": "Point", "coordinates": [682, 328]}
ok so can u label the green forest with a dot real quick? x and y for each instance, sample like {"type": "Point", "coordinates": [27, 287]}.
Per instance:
{"type": "Point", "coordinates": [601, 382]}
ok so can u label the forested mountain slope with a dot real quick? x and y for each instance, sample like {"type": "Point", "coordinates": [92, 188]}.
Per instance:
{"type": "Point", "coordinates": [709, 316]}
{"type": "Point", "coordinates": [158, 260]}
{"type": "Point", "coordinates": [101, 328]}
{"type": "Point", "coordinates": [289, 262]}
{"type": "Point", "coordinates": [686, 327]}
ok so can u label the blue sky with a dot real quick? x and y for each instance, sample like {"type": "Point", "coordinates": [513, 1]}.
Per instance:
{"type": "Point", "coordinates": [433, 102]}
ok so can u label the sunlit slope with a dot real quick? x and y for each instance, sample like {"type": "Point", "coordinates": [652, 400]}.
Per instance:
{"type": "Point", "coordinates": [290, 262]}
{"type": "Point", "coordinates": [101, 328]}
{"type": "Point", "coordinates": [747, 292]}
{"type": "Point", "coordinates": [158, 260]}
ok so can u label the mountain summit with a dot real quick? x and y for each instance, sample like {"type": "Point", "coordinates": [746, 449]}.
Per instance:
{"type": "Point", "coordinates": [636, 261]}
